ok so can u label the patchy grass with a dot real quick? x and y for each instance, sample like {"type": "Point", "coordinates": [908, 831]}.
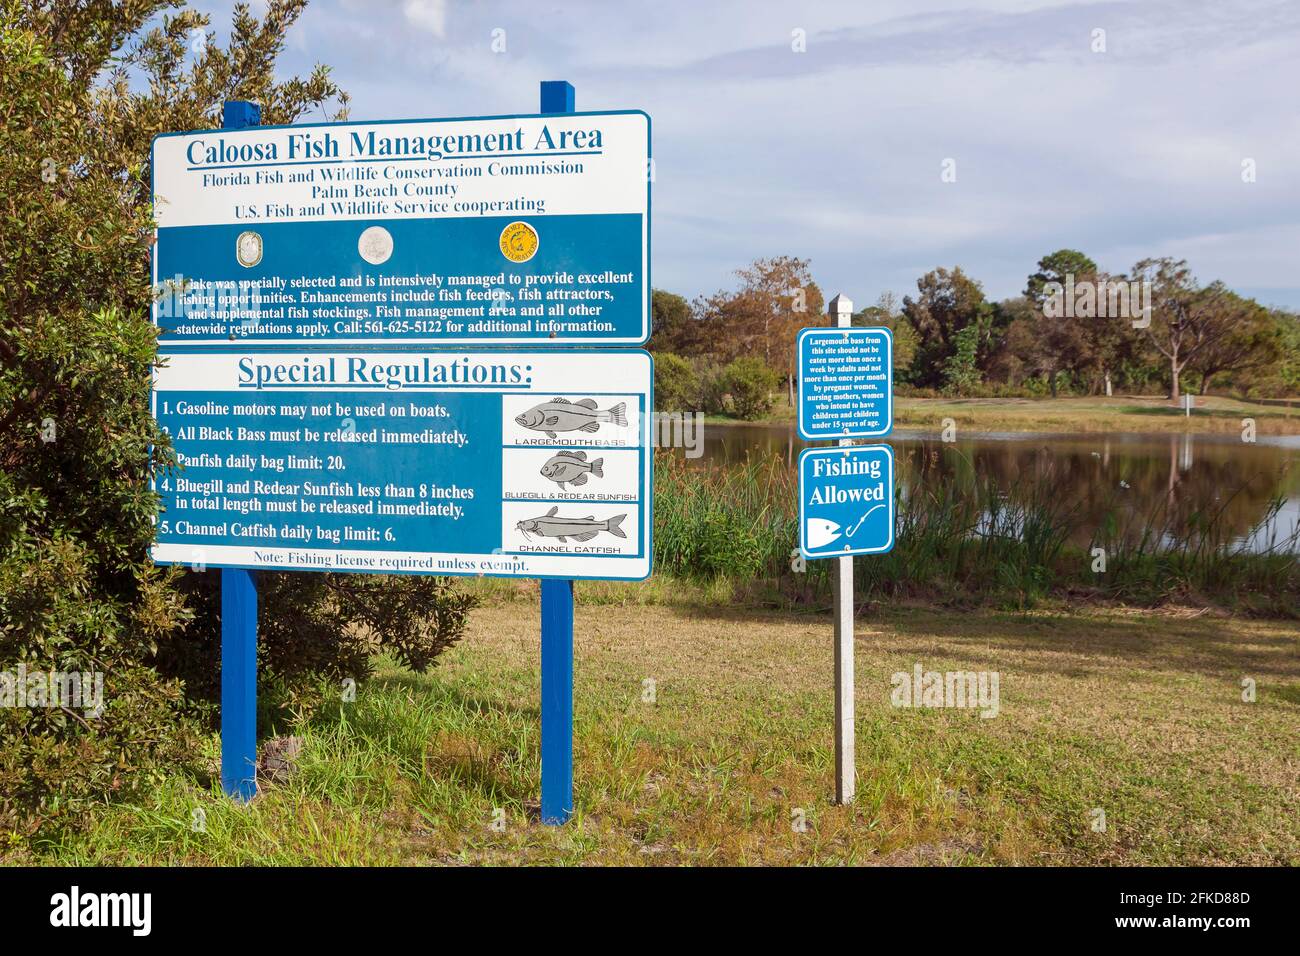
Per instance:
{"type": "Point", "coordinates": [1136, 714]}
{"type": "Point", "coordinates": [1126, 413]}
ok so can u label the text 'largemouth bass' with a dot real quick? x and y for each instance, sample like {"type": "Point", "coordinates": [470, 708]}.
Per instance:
{"type": "Point", "coordinates": [551, 525]}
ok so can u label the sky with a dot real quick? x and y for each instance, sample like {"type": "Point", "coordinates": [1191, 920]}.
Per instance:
{"type": "Point", "coordinates": [883, 139]}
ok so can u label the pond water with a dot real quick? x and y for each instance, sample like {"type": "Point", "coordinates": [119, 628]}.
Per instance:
{"type": "Point", "coordinates": [1142, 474]}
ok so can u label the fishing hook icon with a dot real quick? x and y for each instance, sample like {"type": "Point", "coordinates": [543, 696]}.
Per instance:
{"type": "Point", "coordinates": [849, 533]}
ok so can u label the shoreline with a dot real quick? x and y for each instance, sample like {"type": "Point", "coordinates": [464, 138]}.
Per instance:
{"type": "Point", "coordinates": [1212, 415]}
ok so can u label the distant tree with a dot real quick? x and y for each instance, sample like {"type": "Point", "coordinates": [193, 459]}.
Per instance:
{"type": "Point", "coordinates": [1056, 267]}
{"type": "Point", "coordinates": [749, 382]}
{"type": "Point", "coordinates": [1187, 321]}
{"type": "Point", "coordinates": [1016, 354]}
{"type": "Point", "coordinates": [1089, 341]}
{"type": "Point", "coordinates": [1060, 344]}
{"type": "Point", "coordinates": [673, 326]}
{"type": "Point", "coordinates": [961, 373]}
{"type": "Point", "coordinates": [887, 313]}
{"type": "Point", "coordinates": [1284, 378]}
{"type": "Point", "coordinates": [777, 297]}
{"type": "Point", "coordinates": [1101, 338]}
{"type": "Point", "coordinates": [947, 301]}
{"type": "Point", "coordinates": [1251, 340]}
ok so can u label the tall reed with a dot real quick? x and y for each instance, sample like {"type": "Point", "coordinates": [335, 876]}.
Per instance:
{"type": "Point", "coordinates": [963, 537]}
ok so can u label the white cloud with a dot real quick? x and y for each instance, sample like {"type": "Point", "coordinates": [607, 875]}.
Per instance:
{"type": "Point", "coordinates": [834, 154]}
{"type": "Point", "coordinates": [430, 15]}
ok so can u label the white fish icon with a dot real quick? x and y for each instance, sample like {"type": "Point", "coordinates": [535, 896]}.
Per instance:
{"type": "Point", "coordinates": [820, 532]}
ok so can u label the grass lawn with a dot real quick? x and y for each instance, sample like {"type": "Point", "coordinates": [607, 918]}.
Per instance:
{"type": "Point", "coordinates": [1128, 413]}
{"type": "Point", "coordinates": [1138, 715]}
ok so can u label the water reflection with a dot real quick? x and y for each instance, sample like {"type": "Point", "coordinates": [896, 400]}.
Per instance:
{"type": "Point", "coordinates": [1183, 479]}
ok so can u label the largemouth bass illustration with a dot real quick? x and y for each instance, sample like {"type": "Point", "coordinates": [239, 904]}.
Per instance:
{"type": "Point", "coordinates": [551, 525]}
{"type": "Point", "coordinates": [572, 467]}
{"type": "Point", "coordinates": [561, 415]}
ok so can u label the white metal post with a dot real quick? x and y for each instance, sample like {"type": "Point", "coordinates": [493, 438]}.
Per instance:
{"type": "Point", "coordinates": [841, 309]}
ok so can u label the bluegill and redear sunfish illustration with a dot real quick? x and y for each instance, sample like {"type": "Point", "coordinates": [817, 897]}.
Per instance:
{"type": "Point", "coordinates": [562, 415]}
{"type": "Point", "coordinates": [571, 467]}
{"type": "Point", "coordinates": [551, 525]}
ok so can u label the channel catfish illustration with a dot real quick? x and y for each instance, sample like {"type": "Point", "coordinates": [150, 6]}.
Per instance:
{"type": "Point", "coordinates": [562, 415]}
{"type": "Point", "coordinates": [572, 467]}
{"type": "Point", "coordinates": [551, 525]}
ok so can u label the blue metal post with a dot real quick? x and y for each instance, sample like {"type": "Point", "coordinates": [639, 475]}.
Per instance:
{"type": "Point", "coordinates": [557, 701]}
{"type": "Point", "coordinates": [557, 631]}
{"type": "Point", "coordinates": [238, 683]}
{"type": "Point", "coordinates": [239, 621]}
{"type": "Point", "coordinates": [557, 96]}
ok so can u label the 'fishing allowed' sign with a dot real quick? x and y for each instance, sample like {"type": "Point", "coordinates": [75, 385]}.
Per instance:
{"type": "Point", "coordinates": [846, 501]}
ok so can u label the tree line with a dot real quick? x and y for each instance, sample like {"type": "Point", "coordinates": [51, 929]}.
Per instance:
{"type": "Point", "coordinates": [1075, 330]}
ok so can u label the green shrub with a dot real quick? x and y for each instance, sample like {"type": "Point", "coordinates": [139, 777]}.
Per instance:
{"type": "Point", "coordinates": [317, 625]}
{"type": "Point", "coordinates": [677, 384]}
{"type": "Point", "coordinates": [749, 382]}
{"type": "Point", "coordinates": [961, 374]}
{"type": "Point", "coordinates": [78, 592]}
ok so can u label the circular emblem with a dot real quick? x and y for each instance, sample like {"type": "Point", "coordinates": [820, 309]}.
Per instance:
{"type": "Point", "coordinates": [375, 245]}
{"type": "Point", "coordinates": [519, 242]}
{"type": "Point", "coordinates": [248, 249]}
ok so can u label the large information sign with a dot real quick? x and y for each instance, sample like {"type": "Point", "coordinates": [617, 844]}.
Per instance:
{"type": "Point", "coordinates": [846, 501]}
{"type": "Point", "coordinates": [846, 382]}
{"type": "Point", "coordinates": [453, 232]}
{"type": "Point", "coordinates": [523, 464]}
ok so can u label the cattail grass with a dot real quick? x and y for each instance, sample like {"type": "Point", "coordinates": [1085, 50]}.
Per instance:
{"type": "Point", "coordinates": [962, 537]}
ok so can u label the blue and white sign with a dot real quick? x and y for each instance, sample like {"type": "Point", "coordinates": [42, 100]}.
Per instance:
{"type": "Point", "coordinates": [512, 229]}
{"type": "Point", "coordinates": [846, 501]}
{"type": "Point", "coordinates": [530, 463]}
{"type": "Point", "coordinates": [846, 382]}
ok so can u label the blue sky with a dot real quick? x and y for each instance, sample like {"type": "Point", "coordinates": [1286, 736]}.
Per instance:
{"type": "Point", "coordinates": [835, 154]}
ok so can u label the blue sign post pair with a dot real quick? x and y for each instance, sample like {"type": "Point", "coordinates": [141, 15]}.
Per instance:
{"type": "Point", "coordinates": [519, 243]}
{"type": "Point", "coordinates": [846, 493]}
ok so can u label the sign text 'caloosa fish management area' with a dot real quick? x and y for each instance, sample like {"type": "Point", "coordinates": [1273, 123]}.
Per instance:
{"type": "Point", "coordinates": [493, 231]}
{"type": "Point", "coordinates": [526, 463]}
